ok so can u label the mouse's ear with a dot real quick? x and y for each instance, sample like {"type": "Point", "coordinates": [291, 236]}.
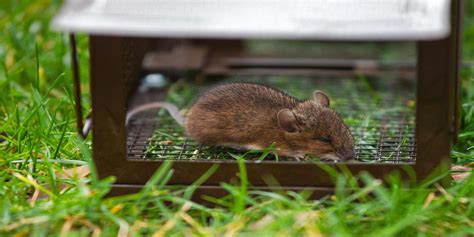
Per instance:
{"type": "Point", "coordinates": [321, 98]}
{"type": "Point", "coordinates": [287, 120]}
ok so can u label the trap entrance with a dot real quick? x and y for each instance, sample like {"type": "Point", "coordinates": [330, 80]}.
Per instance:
{"type": "Point", "coordinates": [380, 113]}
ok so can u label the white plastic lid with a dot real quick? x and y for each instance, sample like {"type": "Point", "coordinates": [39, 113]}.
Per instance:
{"type": "Point", "coordinates": [275, 19]}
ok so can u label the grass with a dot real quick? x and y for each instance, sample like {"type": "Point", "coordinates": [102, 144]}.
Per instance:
{"type": "Point", "coordinates": [41, 196]}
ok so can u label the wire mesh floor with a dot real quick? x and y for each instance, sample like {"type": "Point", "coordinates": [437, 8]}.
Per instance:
{"type": "Point", "coordinates": [380, 114]}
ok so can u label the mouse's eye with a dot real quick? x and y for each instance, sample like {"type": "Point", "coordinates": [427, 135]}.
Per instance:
{"type": "Point", "coordinates": [322, 138]}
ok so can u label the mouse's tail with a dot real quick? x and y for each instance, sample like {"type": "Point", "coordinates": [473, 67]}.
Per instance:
{"type": "Point", "coordinates": [171, 108]}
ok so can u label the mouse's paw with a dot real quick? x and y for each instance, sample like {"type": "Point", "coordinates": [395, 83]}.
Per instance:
{"type": "Point", "coordinates": [299, 156]}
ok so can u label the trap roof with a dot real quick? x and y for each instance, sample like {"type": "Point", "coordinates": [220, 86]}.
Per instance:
{"type": "Point", "coordinates": [275, 19]}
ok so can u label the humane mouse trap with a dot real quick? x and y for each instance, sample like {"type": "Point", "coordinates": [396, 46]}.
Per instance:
{"type": "Point", "coordinates": [207, 43]}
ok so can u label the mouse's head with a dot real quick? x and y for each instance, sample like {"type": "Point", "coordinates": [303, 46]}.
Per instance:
{"type": "Point", "coordinates": [313, 128]}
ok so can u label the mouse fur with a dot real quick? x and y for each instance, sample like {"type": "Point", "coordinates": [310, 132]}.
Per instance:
{"type": "Point", "coordinates": [254, 116]}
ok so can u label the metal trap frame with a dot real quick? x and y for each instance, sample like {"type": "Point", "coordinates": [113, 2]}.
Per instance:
{"type": "Point", "coordinates": [117, 63]}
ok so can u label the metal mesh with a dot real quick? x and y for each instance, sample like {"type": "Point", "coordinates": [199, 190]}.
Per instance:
{"type": "Point", "coordinates": [383, 133]}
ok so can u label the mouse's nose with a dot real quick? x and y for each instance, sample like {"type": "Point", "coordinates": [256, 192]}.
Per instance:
{"type": "Point", "coordinates": [346, 155]}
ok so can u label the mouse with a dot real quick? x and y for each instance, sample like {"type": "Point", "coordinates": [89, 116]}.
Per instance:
{"type": "Point", "coordinates": [250, 116]}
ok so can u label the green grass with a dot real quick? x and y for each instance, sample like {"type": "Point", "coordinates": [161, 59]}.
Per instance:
{"type": "Point", "coordinates": [40, 144]}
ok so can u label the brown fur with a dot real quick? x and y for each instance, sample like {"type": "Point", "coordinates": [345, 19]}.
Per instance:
{"type": "Point", "coordinates": [245, 115]}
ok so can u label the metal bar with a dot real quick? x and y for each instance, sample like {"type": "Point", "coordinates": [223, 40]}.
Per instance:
{"type": "Point", "coordinates": [108, 94]}
{"type": "Point", "coordinates": [215, 71]}
{"type": "Point", "coordinates": [77, 86]}
{"type": "Point", "coordinates": [115, 69]}
{"type": "Point", "coordinates": [321, 63]}
{"type": "Point", "coordinates": [437, 69]}
{"type": "Point", "coordinates": [288, 173]}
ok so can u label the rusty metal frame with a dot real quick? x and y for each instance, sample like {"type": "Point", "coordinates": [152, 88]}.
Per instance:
{"type": "Point", "coordinates": [115, 68]}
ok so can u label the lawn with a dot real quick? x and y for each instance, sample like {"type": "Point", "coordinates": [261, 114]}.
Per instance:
{"type": "Point", "coordinates": [42, 195]}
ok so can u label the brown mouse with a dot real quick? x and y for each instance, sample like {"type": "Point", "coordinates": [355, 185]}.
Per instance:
{"type": "Point", "coordinates": [253, 116]}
